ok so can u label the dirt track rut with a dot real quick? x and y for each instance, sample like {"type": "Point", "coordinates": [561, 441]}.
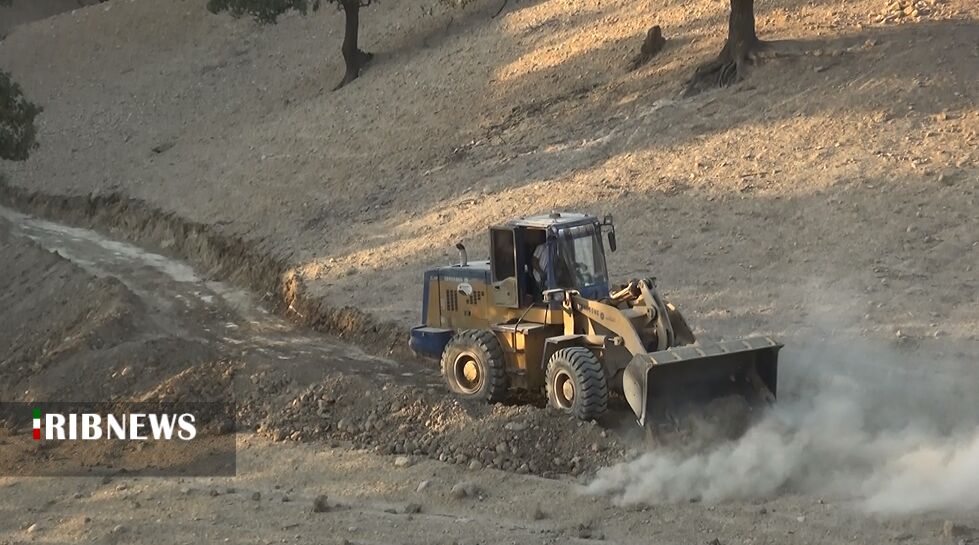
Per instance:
{"type": "Point", "coordinates": [182, 302]}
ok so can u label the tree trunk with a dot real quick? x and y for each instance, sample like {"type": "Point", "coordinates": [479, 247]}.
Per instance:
{"type": "Point", "coordinates": [741, 37]}
{"type": "Point", "coordinates": [353, 57]}
{"type": "Point", "coordinates": [741, 42]}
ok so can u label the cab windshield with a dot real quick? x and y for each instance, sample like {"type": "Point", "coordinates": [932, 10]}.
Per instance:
{"type": "Point", "coordinates": [580, 259]}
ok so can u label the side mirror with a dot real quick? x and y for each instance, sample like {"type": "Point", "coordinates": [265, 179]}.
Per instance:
{"type": "Point", "coordinates": [607, 222]}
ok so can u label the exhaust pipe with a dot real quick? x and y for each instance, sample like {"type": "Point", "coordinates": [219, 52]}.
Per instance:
{"type": "Point", "coordinates": [463, 256]}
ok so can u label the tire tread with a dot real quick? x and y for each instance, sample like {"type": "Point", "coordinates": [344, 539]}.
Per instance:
{"type": "Point", "coordinates": [592, 397]}
{"type": "Point", "coordinates": [496, 382]}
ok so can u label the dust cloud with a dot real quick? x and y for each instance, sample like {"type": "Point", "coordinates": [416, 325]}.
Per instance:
{"type": "Point", "coordinates": [895, 431]}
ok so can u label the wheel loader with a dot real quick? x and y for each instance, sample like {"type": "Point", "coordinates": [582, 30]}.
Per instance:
{"type": "Point", "coordinates": [540, 314]}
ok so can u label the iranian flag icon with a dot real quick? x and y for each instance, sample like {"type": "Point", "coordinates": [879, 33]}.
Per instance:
{"type": "Point", "coordinates": [37, 424]}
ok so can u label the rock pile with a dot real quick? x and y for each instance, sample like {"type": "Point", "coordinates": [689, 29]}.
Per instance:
{"type": "Point", "coordinates": [411, 422]}
{"type": "Point", "coordinates": [906, 10]}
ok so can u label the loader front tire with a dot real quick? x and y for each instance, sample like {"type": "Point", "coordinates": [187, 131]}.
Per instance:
{"type": "Point", "coordinates": [474, 366]}
{"type": "Point", "coordinates": [576, 383]}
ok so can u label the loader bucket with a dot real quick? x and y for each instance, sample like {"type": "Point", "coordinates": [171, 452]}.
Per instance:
{"type": "Point", "coordinates": [654, 382]}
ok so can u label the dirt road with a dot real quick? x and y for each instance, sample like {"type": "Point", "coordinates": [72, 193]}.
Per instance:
{"type": "Point", "coordinates": [168, 303]}
{"type": "Point", "coordinates": [373, 502]}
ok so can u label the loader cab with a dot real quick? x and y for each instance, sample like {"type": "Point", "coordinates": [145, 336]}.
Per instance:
{"type": "Point", "coordinates": [574, 258]}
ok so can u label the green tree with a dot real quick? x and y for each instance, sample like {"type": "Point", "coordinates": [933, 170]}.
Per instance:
{"type": "Point", "coordinates": [268, 11]}
{"type": "Point", "coordinates": [17, 130]}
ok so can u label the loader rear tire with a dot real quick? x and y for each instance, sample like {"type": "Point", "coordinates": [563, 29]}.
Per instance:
{"type": "Point", "coordinates": [576, 383]}
{"type": "Point", "coordinates": [474, 366]}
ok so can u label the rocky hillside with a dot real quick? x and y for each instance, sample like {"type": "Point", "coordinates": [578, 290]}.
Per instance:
{"type": "Point", "coordinates": [835, 185]}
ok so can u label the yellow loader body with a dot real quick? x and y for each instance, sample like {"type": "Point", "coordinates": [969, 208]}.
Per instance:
{"type": "Point", "coordinates": [540, 315]}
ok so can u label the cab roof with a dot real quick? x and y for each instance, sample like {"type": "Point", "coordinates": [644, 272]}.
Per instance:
{"type": "Point", "coordinates": [543, 221]}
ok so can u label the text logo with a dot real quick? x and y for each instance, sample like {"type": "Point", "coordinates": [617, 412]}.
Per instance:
{"type": "Point", "coordinates": [125, 427]}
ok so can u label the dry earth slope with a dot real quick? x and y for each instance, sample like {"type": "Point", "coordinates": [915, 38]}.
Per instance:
{"type": "Point", "coordinates": [844, 178]}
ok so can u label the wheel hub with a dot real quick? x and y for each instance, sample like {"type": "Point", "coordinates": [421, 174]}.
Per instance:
{"type": "Point", "coordinates": [564, 390]}
{"type": "Point", "coordinates": [467, 373]}
{"type": "Point", "coordinates": [470, 371]}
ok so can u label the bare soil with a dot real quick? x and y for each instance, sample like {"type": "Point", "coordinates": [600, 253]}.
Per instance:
{"type": "Point", "coordinates": [65, 332]}
{"type": "Point", "coordinates": [28, 11]}
{"type": "Point", "coordinates": [849, 168]}
{"type": "Point", "coordinates": [371, 501]}
{"type": "Point", "coordinates": [830, 196]}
